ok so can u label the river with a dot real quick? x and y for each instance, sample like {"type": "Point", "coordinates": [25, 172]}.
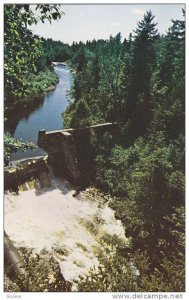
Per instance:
{"type": "Point", "coordinates": [71, 228]}
{"type": "Point", "coordinates": [47, 115]}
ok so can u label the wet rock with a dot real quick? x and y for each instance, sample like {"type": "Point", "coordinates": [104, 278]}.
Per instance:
{"type": "Point", "coordinates": [50, 88]}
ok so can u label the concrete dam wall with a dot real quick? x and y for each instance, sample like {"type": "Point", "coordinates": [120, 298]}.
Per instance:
{"type": "Point", "coordinates": [71, 151]}
{"type": "Point", "coordinates": [43, 211]}
{"type": "Point", "coordinates": [33, 171]}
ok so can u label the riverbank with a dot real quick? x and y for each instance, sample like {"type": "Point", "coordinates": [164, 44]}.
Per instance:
{"type": "Point", "coordinates": [43, 82]}
{"type": "Point", "coordinates": [35, 86]}
{"type": "Point", "coordinates": [25, 117]}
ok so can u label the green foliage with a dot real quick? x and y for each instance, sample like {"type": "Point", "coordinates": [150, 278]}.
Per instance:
{"type": "Point", "coordinates": [42, 274]}
{"type": "Point", "coordinates": [116, 273]}
{"type": "Point", "coordinates": [53, 51]}
{"type": "Point", "coordinates": [22, 48]}
{"type": "Point", "coordinates": [146, 27]}
{"type": "Point", "coordinates": [139, 82]}
{"type": "Point", "coordinates": [36, 84]}
{"type": "Point", "coordinates": [11, 145]}
{"type": "Point", "coordinates": [21, 56]}
{"type": "Point", "coordinates": [147, 183]}
{"type": "Point", "coordinates": [82, 114]}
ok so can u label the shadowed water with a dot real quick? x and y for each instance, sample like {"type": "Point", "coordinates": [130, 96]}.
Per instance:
{"type": "Point", "coordinates": [47, 115]}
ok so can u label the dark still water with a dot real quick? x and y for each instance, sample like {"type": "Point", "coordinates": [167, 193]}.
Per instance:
{"type": "Point", "coordinates": [46, 116]}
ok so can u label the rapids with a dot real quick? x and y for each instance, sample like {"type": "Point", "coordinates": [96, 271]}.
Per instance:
{"type": "Point", "coordinates": [68, 226]}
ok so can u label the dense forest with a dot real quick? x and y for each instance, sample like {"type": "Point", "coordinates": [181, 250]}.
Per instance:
{"type": "Point", "coordinates": [139, 83]}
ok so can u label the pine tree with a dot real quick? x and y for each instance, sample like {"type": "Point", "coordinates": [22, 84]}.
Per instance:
{"type": "Point", "coordinates": [137, 103]}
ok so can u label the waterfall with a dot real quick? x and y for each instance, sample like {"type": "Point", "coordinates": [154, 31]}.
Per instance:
{"type": "Point", "coordinates": [49, 214]}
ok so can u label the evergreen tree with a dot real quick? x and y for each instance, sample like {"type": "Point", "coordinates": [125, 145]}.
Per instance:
{"type": "Point", "coordinates": [138, 101]}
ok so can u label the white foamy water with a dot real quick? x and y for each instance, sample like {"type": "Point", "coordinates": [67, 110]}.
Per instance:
{"type": "Point", "coordinates": [68, 227]}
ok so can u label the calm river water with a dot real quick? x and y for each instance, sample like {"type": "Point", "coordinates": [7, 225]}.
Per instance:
{"type": "Point", "coordinates": [47, 116]}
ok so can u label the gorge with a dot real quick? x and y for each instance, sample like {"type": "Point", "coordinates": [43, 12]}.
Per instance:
{"type": "Point", "coordinates": [43, 212]}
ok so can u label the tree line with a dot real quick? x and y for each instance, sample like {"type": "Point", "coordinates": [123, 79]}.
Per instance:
{"type": "Point", "coordinates": [139, 83]}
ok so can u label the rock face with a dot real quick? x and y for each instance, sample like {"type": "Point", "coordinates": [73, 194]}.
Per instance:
{"type": "Point", "coordinates": [12, 258]}
{"type": "Point", "coordinates": [50, 88]}
{"type": "Point", "coordinates": [71, 151]}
